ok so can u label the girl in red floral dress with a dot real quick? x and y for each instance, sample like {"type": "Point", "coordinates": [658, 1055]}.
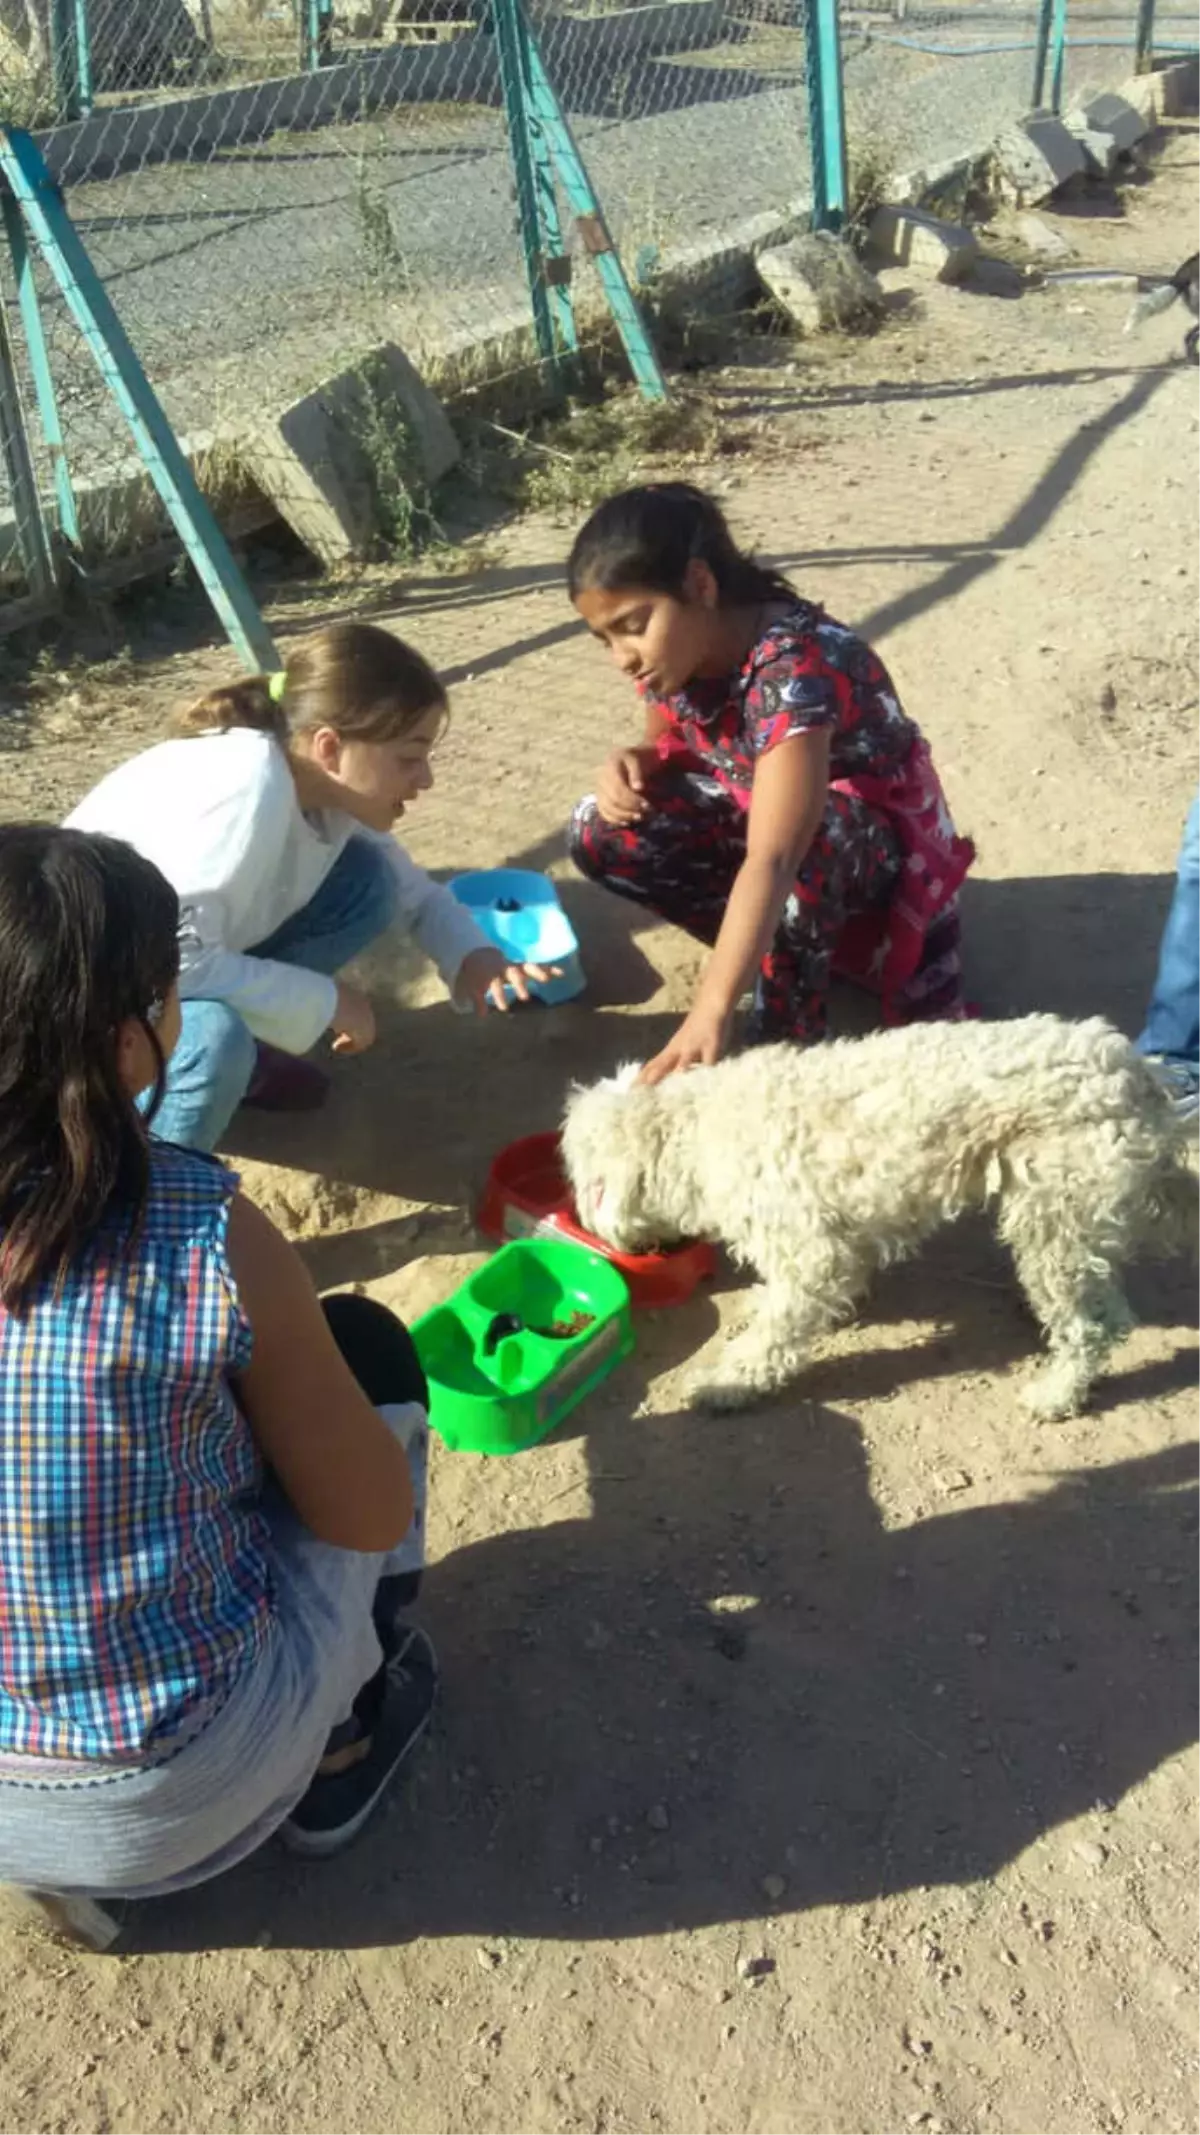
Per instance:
{"type": "Point", "coordinates": [781, 807]}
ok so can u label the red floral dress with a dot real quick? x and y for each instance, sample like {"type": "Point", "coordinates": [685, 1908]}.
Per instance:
{"type": "Point", "coordinates": [875, 898]}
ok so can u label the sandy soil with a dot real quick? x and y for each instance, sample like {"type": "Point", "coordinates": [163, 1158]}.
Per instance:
{"type": "Point", "coordinates": [827, 1768]}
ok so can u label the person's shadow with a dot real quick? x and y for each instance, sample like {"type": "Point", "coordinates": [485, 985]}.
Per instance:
{"type": "Point", "coordinates": [753, 1678]}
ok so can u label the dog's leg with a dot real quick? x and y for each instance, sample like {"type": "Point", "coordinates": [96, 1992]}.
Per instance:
{"type": "Point", "coordinates": [799, 1299]}
{"type": "Point", "coordinates": [1069, 1279]}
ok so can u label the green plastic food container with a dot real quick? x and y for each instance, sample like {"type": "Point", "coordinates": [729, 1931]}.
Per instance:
{"type": "Point", "coordinates": [521, 1343]}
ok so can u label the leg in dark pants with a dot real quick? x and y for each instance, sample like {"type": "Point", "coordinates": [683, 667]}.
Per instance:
{"type": "Point", "coordinates": [381, 1353]}
{"type": "Point", "coordinates": [681, 862]}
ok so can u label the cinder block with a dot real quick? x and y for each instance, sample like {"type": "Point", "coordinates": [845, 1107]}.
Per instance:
{"type": "Point", "coordinates": [318, 460]}
{"type": "Point", "coordinates": [1035, 157]}
{"type": "Point", "coordinates": [909, 237]}
{"type": "Point", "coordinates": [820, 284]}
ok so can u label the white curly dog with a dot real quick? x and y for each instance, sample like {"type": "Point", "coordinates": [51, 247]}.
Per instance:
{"type": "Point", "coordinates": [816, 1167]}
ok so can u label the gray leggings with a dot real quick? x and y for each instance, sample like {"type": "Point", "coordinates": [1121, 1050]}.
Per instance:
{"type": "Point", "coordinates": [141, 1833]}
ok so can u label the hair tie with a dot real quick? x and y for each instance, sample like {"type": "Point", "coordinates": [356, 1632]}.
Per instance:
{"type": "Point", "coordinates": [276, 684]}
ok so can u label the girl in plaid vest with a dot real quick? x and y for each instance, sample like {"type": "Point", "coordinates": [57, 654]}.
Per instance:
{"type": "Point", "coordinates": [207, 1523]}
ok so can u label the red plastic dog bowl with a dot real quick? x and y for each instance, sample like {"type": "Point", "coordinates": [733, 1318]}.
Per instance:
{"type": "Point", "coordinates": [527, 1192]}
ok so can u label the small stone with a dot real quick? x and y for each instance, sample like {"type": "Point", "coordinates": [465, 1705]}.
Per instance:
{"type": "Point", "coordinates": [773, 1887]}
{"type": "Point", "coordinates": [1108, 700]}
{"type": "Point", "coordinates": [1009, 1957]}
{"type": "Point", "coordinates": [754, 1969]}
{"type": "Point", "coordinates": [1041, 239]}
{"type": "Point", "coordinates": [488, 1960]}
{"type": "Point", "coordinates": [659, 1817]}
{"type": "Point", "coordinates": [1090, 1852]}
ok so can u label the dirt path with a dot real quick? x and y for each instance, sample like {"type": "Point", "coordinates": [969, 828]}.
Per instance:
{"type": "Point", "coordinates": [878, 1694]}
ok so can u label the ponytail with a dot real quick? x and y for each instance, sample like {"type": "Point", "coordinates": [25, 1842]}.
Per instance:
{"type": "Point", "coordinates": [354, 677]}
{"type": "Point", "coordinates": [249, 703]}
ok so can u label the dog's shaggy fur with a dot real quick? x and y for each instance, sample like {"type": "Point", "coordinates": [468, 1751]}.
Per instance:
{"type": "Point", "coordinates": [817, 1167]}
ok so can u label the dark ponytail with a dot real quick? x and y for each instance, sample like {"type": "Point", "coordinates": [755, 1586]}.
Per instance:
{"type": "Point", "coordinates": [647, 537]}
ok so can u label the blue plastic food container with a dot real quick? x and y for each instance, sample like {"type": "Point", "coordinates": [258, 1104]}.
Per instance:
{"type": "Point", "coordinates": [519, 911]}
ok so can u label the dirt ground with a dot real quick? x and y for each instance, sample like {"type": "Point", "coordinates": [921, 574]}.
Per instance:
{"type": "Point", "coordinates": [827, 1768]}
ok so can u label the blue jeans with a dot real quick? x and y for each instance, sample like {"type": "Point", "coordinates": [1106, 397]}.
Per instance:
{"type": "Point", "coordinates": [1173, 1022]}
{"type": "Point", "coordinates": [210, 1069]}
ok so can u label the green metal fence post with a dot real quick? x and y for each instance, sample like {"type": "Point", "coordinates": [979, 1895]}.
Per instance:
{"type": "Point", "coordinates": [316, 34]}
{"type": "Point", "coordinates": [1058, 54]}
{"type": "Point", "coordinates": [33, 539]}
{"type": "Point", "coordinates": [512, 51]}
{"type": "Point", "coordinates": [826, 114]}
{"type": "Point", "coordinates": [1041, 49]}
{"type": "Point", "coordinates": [592, 228]}
{"type": "Point", "coordinates": [34, 330]}
{"type": "Point", "coordinates": [66, 256]}
{"type": "Point", "coordinates": [1050, 52]}
{"type": "Point", "coordinates": [64, 69]}
{"type": "Point", "coordinates": [1144, 43]}
{"type": "Point", "coordinates": [84, 92]}
{"type": "Point", "coordinates": [555, 260]}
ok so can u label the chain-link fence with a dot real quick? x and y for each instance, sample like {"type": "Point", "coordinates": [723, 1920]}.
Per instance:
{"type": "Point", "coordinates": [270, 189]}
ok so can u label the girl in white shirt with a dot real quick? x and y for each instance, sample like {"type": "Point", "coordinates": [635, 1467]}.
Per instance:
{"type": "Point", "coordinates": [271, 818]}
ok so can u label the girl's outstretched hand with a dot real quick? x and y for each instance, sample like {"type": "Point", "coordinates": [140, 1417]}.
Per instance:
{"type": "Point", "coordinates": [353, 1020]}
{"type": "Point", "coordinates": [485, 973]}
{"type": "Point", "coordinates": [699, 1042]}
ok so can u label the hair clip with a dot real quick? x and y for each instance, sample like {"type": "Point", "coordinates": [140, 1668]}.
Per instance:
{"type": "Point", "coordinates": [276, 684]}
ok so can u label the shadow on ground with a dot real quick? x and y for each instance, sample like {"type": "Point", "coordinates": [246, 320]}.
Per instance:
{"type": "Point", "coordinates": [620, 1755]}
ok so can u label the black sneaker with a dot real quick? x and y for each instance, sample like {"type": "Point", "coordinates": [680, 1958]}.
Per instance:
{"type": "Point", "coordinates": [395, 1595]}
{"type": "Point", "coordinates": [337, 1805]}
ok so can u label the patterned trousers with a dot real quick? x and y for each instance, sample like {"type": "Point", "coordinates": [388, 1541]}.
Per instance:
{"type": "Point", "coordinates": [680, 862]}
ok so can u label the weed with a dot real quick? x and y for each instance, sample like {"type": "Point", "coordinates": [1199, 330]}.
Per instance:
{"type": "Point", "coordinates": [566, 463]}
{"type": "Point", "coordinates": [402, 509]}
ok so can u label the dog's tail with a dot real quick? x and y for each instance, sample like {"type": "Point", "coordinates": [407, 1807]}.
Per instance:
{"type": "Point", "coordinates": [1160, 298]}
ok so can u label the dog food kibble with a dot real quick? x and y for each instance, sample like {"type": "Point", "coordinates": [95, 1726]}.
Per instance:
{"type": "Point", "coordinates": [566, 1330]}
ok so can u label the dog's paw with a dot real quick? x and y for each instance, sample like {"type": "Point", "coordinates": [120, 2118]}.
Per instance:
{"type": "Point", "coordinates": [1054, 1396]}
{"type": "Point", "coordinates": [720, 1393]}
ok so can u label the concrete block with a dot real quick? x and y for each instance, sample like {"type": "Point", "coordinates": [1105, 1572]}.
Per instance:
{"type": "Point", "coordinates": [1100, 151]}
{"type": "Point", "coordinates": [821, 285]}
{"type": "Point", "coordinates": [1034, 157]}
{"type": "Point", "coordinates": [319, 461]}
{"type": "Point", "coordinates": [1113, 115]}
{"type": "Point", "coordinates": [1145, 93]}
{"type": "Point", "coordinates": [909, 237]}
{"type": "Point", "coordinates": [1179, 87]}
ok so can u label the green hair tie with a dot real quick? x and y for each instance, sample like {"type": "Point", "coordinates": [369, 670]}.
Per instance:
{"type": "Point", "coordinates": [276, 684]}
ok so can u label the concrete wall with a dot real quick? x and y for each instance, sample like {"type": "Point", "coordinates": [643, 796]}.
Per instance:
{"type": "Point", "coordinates": [463, 69]}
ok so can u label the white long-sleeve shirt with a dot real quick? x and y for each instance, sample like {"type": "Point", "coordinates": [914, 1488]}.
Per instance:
{"type": "Point", "coordinates": [218, 816]}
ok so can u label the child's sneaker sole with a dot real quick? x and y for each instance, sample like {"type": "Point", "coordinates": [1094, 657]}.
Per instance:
{"type": "Point", "coordinates": [335, 1808]}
